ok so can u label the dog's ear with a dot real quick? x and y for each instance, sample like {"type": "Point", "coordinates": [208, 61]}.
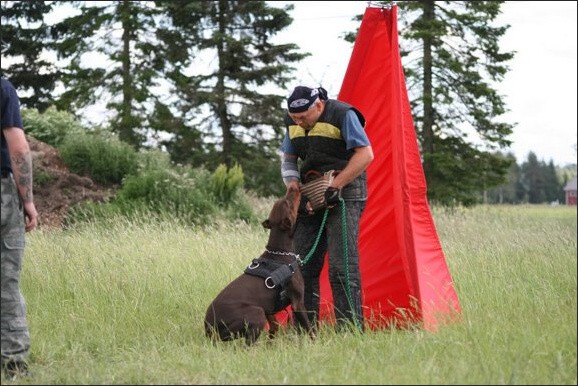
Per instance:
{"type": "Point", "coordinates": [266, 224]}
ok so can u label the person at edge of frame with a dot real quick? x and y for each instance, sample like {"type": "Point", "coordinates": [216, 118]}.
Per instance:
{"type": "Point", "coordinates": [19, 216]}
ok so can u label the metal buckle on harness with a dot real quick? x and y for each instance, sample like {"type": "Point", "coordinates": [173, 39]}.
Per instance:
{"type": "Point", "coordinates": [253, 265]}
{"type": "Point", "coordinates": [270, 286]}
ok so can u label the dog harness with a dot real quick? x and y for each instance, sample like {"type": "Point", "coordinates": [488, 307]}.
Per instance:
{"type": "Point", "coordinates": [276, 276]}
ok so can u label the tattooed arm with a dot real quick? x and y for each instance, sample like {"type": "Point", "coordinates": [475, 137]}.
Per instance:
{"type": "Point", "coordinates": [21, 161]}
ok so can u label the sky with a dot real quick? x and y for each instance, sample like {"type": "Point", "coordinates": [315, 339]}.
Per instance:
{"type": "Point", "coordinates": [539, 90]}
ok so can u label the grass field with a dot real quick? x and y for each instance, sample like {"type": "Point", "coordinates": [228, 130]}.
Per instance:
{"type": "Point", "coordinates": [123, 303]}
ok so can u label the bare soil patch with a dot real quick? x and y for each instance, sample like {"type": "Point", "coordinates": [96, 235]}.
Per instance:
{"type": "Point", "coordinates": [56, 189]}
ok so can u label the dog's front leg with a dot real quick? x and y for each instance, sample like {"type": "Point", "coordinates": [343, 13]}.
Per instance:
{"type": "Point", "coordinates": [303, 322]}
{"type": "Point", "coordinates": [273, 326]}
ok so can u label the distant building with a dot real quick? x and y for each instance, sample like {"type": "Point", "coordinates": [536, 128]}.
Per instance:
{"type": "Point", "coordinates": [570, 190]}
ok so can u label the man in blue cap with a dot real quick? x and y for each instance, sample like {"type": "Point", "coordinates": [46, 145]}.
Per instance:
{"type": "Point", "coordinates": [328, 135]}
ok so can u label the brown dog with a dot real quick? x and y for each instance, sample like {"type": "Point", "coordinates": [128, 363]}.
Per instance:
{"type": "Point", "coordinates": [270, 283]}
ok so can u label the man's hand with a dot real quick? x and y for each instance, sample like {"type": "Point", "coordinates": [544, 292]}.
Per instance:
{"type": "Point", "coordinates": [31, 216]}
{"type": "Point", "coordinates": [332, 196]}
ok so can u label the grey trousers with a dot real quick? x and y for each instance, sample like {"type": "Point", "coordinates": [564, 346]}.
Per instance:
{"type": "Point", "coordinates": [344, 275]}
{"type": "Point", "coordinates": [15, 337]}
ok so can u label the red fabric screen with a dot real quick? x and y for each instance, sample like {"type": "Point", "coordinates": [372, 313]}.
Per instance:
{"type": "Point", "coordinates": [405, 277]}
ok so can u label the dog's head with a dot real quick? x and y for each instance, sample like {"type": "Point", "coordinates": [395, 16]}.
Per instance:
{"type": "Point", "coordinates": [284, 212]}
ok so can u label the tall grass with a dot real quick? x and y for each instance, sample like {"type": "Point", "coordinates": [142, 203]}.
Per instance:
{"type": "Point", "coordinates": [124, 304]}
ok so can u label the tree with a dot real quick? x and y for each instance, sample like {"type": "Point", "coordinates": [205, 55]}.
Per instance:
{"type": "Point", "coordinates": [451, 57]}
{"type": "Point", "coordinates": [508, 192]}
{"type": "Point", "coordinates": [533, 179]}
{"type": "Point", "coordinates": [533, 182]}
{"type": "Point", "coordinates": [553, 187]}
{"type": "Point", "coordinates": [25, 38]}
{"type": "Point", "coordinates": [458, 59]}
{"type": "Point", "coordinates": [225, 88]}
{"type": "Point", "coordinates": [200, 79]}
{"type": "Point", "coordinates": [111, 50]}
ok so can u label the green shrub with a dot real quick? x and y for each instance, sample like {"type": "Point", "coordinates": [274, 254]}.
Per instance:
{"type": "Point", "coordinates": [241, 209]}
{"type": "Point", "coordinates": [149, 159]}
{"type": "Point", "coordinates": [52, 126]}
{"type": "Point", "coordinates": [226, 183]}
{"type": "Point", "coordinates": [99, 155]}
{"type": "Point", "coordinates": [178, 192]}
{"type": "Point", "coordinates": [172, 193]}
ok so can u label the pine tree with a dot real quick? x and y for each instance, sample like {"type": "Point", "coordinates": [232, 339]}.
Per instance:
{"type": "Point", "coordinates": [450, 85]}
{"type": "Point", "coordinates": [553, 186]}
{"type": "Point", "coordinates": [533, 179]}
{"type": "Point", "coordinates": [110, 50]}
{"type": "Point", "coordinates": [226, 89]}
{"type": "Point", "coordinates": [508, 192]}
{"type": "Point", "coordinates": [25, 39]}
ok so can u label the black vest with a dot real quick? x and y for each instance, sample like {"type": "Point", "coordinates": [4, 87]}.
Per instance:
{"type": "Point", "coordinates": [322, 148]}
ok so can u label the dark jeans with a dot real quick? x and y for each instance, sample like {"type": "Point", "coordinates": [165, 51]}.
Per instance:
{"type": "Point", "coordinates": [344, 275]}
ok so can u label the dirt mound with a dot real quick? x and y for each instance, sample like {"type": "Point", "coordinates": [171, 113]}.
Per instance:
{"type": "Point", "coordinates": [56, 189]}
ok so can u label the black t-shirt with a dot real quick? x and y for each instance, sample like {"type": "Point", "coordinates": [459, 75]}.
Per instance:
{"type": "Point", "coordinates": [10, 118]}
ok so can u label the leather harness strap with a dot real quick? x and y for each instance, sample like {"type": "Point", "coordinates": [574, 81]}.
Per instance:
{"type": "Point", "coordinates": [276, 275]}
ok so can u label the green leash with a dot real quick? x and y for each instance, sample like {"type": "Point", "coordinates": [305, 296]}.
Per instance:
{"type": "Point", "coordinates": [345, 256]}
